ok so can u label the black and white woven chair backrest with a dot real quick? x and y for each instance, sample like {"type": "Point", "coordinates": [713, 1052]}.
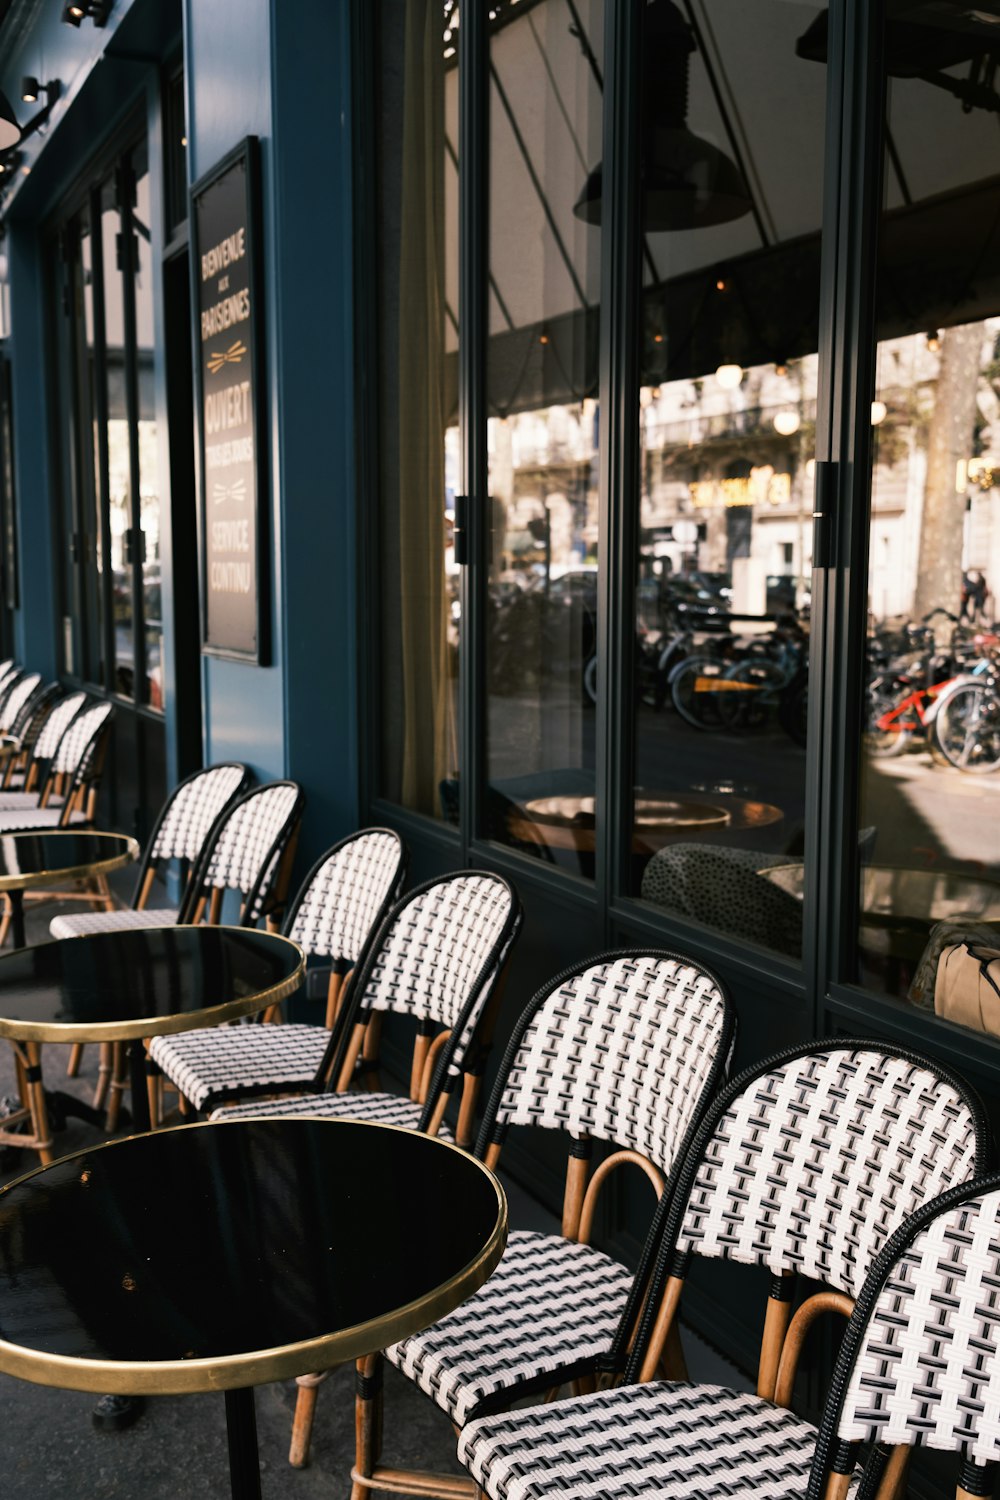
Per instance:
{"type": "Point", "coordinates": [627, 1049]}
{"type": "Point", "coordinates": [346, 895]}
{"type": "Point", "coordinates": [57, 724]}
{"type": "Point", "coordinates": [16, 699]}
{"type": "Point", "coordinates": [920, 1359]}
{"type": "Point", "coordinates": [436, 957]}
{"type": "Point", "coordinates": [79, 742]}
{"type": "Point", "coordinates": [33, 713]}
{"type": "Point", "coordinates": [245, 849]}
{"type": "Point", "coordinates": [190, 813]}
{"type": "Point", "coordinates": [193, 807]}
{"type": "Point", "coordinates": [810, 1163]}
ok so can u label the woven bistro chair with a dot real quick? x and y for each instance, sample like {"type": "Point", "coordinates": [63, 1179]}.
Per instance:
{"type": "Point", "coordinates": [339, 907]}
{"type": "Point", "coordinates": [187, 819]}
{"type": "Point", "coordinates": [627, 1049]}
{"type": "Point", "coordinates": [249, 850]}
{"type": "Point", "coordinates": [14, 701]}
{"type": "Point", "coordinates": [69, 797]}
{"type": "Point", "coordinates": [440, 956]}
{"type": "Point", "coordinates": [76, 770]}
{"type": "Point", "coordinates": [806, 1165]}
{"type": "Point", "coordinates": [28, 721]}
{"type": "Point", "coordinates": [25, 785]}
{"type": "Point", "coordinates": [920, 1361]}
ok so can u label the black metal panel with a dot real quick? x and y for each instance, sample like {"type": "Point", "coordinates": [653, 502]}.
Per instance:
{"type": "Point", "coordinates": [473, 271]}
{"type": "Point", "coordinates": [621, 270]}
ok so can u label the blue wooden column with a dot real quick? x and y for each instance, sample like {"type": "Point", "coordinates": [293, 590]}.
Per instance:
{"type": "Point", "coordinates": [282, 73]}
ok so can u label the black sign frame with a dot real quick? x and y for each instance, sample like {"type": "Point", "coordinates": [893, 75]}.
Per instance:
{"type": "Point", "coordinates": [245, 636]}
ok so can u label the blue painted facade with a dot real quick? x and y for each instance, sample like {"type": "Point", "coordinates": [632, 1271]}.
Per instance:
{"type": "Point", "coordinates": [281, 73]}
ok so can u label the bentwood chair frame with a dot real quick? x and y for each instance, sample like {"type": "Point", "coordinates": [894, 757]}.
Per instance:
{"type": "Point", "coordinates": [919, 1363]}
{"type": "Point", "coordinates": [806, 1164]}
{"type": "Point", "coordinates": [339, 909]}
{"type": "Point", "coordinates": [626, 1048]}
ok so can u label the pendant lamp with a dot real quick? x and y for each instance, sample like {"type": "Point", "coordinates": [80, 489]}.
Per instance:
{"type": "Point", "coordinates": [687, 182]}
{"type": "Point", "coordinates": [10, 130]}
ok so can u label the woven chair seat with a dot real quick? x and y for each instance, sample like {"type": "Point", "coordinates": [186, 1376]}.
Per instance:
{"type": "Point", "coordinates": [549, 1303]}
{"type": "Point", "coordinates": [225, 1062]}
{"type": "Point", "coordinates": [381, 1109]}
{"type": "Point", "coordinates": [661, 1441]}
{"type": "Point", "coordinates": [15, 801]}
{"type": "Point", "coordinates": [31, 819]}
{"type": "Point", "coordinates": [79, 924]}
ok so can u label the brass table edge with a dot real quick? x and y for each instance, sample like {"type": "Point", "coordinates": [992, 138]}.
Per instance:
{"type": "Point", "coordinates": [69, 872]}
{"type": "Point", "coordinates": [192, 1020]}
{"type": "Point", "coordinates": [236, 1371]}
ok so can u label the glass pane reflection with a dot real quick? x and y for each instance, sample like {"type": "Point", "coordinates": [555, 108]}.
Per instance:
{"type": "Point", "coordinates": [931, 705]}
{"type": "Point", "coordinates": [541, 610]}
{"type": "Point", "coordinates": [727, 429]}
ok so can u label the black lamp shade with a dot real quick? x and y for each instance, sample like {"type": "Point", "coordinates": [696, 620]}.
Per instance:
{"type": "Point", "coordinates": [10, 130]}
{"type": "Point", "coordinates": [687, 183]}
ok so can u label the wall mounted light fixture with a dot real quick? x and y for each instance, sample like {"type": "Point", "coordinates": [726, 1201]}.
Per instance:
{"type": "Point", "coordinates": [83, 10]}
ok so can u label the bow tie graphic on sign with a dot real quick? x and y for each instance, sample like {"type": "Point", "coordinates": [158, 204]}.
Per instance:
{"type": "Point", "coordinates": [237, 491]}
{"type": "Point", "coordinates": [231, 356]}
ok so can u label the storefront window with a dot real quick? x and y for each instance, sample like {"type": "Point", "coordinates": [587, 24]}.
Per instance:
{"type": "Point", "coordinates": [119, 474]}
{"type": "Point", "coordinates": [542, 375]}
{"type": "Point", "coordinates": [418, 448]}
{"type": "Point", "coordinates": [149, 498]}
{"type": "Point", "coordinates": [930, 814]}
{"type": "Point", "coordinates": [727, 409]}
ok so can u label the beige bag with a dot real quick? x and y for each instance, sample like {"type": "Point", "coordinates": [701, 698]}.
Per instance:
{"type": "Point", "coordinates": [967, 989]}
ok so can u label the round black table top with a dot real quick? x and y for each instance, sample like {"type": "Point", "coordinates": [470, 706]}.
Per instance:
{"type": "Point", "coordinates": [210, 1257]}
{"type": "Point", "coordinates": [35, 859]}
{"type": "Point", "coordinates": [143, 982]}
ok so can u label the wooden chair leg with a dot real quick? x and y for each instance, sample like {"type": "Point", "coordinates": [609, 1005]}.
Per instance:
{"type": "Point", "coordinates": [103, 1075]}
{"type": "Point", "coordinates": [73, 1065]}
{"type": "Point", "coordinates": [119, 1083]}
{"type": "Point", "coordinates": [36, 1101]}
{"type": "Point", "coordinates": [367, 1422]}
{"type": "Point", "coordinates": [154, 1092]}
{"type": "Point", "coordinates": [305, 1411]}
{"type": "Point", "coordinates": [5, 920]}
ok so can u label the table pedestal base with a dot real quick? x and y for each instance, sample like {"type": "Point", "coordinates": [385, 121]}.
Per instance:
{"type": "Point", "coordinates": [241, 1427]}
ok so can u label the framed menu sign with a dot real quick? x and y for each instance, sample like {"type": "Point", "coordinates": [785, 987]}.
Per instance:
{"type": "Point", "coordinates": [225, 224]}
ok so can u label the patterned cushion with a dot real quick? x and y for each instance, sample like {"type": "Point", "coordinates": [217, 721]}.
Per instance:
{"type": "Point", "coordinates": [111, 921]}
{"type": "Point", "coordinates": [549, 1303]}
{"type": "Point", "coordinates": [219, 1062]}
{"type": "Point", "coordinates": [31, 819]}
{"type": "Point", "coordinates": [657, 1442]}
{"type": "Point", "coordinates": [819, 1160]}
{"type": "Point", "coordinates": [382, 1109]}
{"type": "Point", "coordinates": [721, 888]}
{"type": "Point", "coordinates": [14, 801]}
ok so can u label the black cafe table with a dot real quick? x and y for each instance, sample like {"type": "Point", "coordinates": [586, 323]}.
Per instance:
{"type": "Point", "coordinates": [31, 861]}
{"type": "Point", "coordinates": [218, 1257]}
{"type": "Point", "coordinates": [129, 986]}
